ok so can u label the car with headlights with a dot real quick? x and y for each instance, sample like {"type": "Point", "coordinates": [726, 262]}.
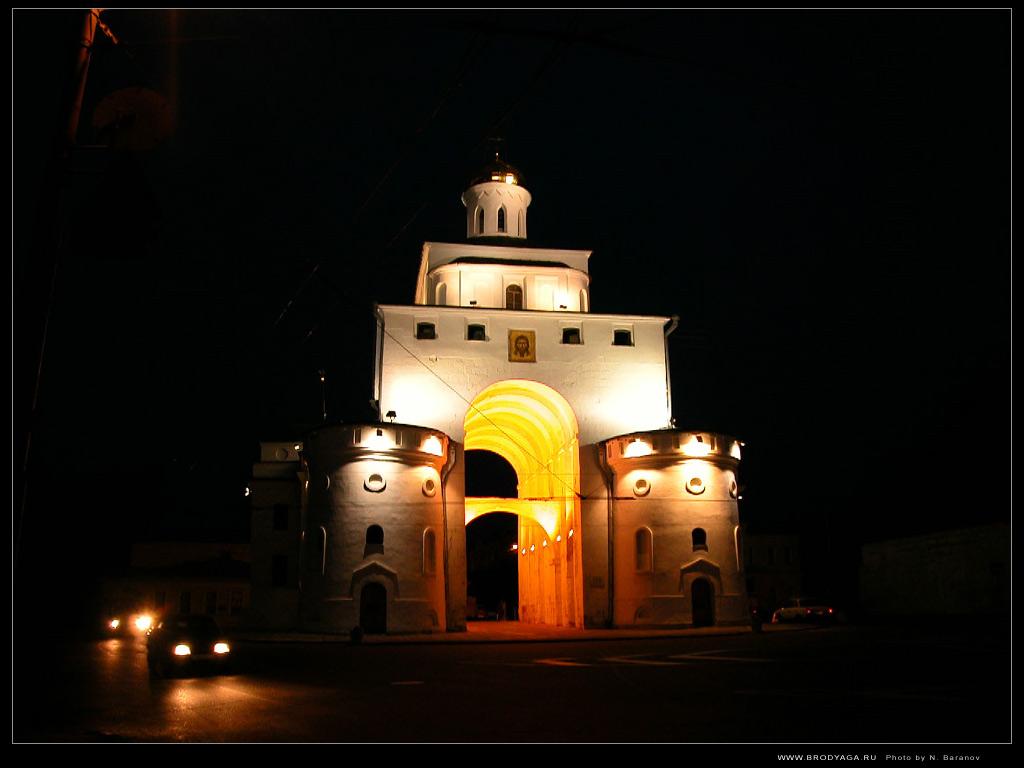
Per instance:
{"type": "Point", "coordinates": [124, 624]}
{"type": "Point", "coordinates": [186, 642]}
{"type": "Point", "coordinates": [806, 609]}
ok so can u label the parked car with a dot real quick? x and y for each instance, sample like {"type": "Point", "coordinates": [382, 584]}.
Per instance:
{"type": "Point", "coordinates": [807, 609]}
{"type": "Point", "coordinates": [183, 642]}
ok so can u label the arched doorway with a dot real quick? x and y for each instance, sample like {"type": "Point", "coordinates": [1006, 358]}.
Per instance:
{"type": "Point", "coordinates": [492, 567]}
{"type": "Point", "coordinates": [702, 595]}
{"type": "Point", "coordinates": [373, 608]}
{"type": "Point", "coordinates": [534, 429]}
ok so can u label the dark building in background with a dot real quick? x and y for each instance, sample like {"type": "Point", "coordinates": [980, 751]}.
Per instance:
{"type": "Point", "coordinates": [167, 577]}
{"type": "Point", "coordinates": [773, 568]}
{"type": "Point", "coordinates": [963, 572]}
{"type": "Point", "coordinates": [274, 496]}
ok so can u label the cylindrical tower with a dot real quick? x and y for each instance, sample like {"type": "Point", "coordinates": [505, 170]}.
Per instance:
{"type": "Point", "coordinates": [496, 202]}
{"type": "Point", "coordinates": [676, 529]}
{"type": "Point", "coordinates": [373, 529]}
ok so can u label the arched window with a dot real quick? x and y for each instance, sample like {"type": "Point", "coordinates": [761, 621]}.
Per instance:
{"type": "Point", "coordinates": [522, 225]}
{"type": "Point", "coordinates": [583, 301]}
{"type": "Point", "coordinates": [644, 548]}
{"type": "Point", "coordinates": [501, 219]}
{"type": "Point", "coordinates": [514, 297]}
{"type": "Point", "coordinates": [480, 221]}
{"type": "Point", "coordinates": [442, 294]}
{"type": "Point", "coordinates": [429, 552]}
{"type": "Point", "coordinates": [374, 541]}
{"type": "Point", "coordinates": [700, 539]}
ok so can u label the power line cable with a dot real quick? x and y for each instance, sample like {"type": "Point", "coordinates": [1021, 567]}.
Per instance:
{"type": "Point", "coordinates": [556, 51]}
{"type": "Point", "coordinates": [458, 394]}
{"type": "Point", "coordinates": [544, 465]}
{"type": "Point", "coordinates": [471, 52]}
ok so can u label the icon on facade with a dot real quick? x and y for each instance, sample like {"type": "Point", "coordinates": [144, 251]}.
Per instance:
{"type": "Point", "coordinates": [522, 346]}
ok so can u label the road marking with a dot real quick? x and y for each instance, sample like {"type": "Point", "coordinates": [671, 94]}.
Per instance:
{"type": "Point", "coordinates": [561, 663]}
{"type": "Point", "coordinates": [240, 692]}
{"type": "Point", "coordinates": [704, 656]}
{"type": "Point", "coordinates": [708, 653]}
{"type": "Point", "coordinates": [912, 695]}
{"type": "Point", "coordinates": [643, 662]}
{"type": "Point", "coordinates": [805, 693]}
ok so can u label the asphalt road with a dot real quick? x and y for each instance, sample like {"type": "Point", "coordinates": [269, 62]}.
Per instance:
{"type": "Point", "coordinates": [844, 685]}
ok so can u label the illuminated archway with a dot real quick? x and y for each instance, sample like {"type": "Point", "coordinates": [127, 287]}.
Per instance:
{"type": "Point", "coordinates": [535, 430]}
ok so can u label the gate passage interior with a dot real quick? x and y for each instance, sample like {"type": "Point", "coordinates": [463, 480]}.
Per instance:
{"type": "Point", "coordinates": [532, 427]}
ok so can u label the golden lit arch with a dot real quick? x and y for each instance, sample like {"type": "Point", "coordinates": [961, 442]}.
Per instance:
{"type": "Point", "coordinates": [532, 427]}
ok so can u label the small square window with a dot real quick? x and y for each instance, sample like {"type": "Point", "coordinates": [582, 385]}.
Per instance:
{"type": "Point", "coordinates": [571, 336]}
{"type": "Point", "coordinates": [476, 332]}
{"type": "Point", "coordinates": [425, 331]}
{"type": "Point", "coordinates": [622, 338]}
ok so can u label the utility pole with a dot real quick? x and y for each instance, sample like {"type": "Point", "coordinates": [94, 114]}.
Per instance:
{"type": "Point", "coordinates": [50, 225]}
{"type": "Point", "coordinates": [82, 59]}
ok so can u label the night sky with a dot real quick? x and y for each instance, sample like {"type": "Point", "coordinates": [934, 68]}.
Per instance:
{"type": "Point", "coordinates": [823, 198]}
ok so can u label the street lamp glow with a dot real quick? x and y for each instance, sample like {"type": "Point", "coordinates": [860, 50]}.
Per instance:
{"type": "Point", "coordinates": [378, 441]}
{"type": "Point", "coordinates": [637, 448]}
{"type": "Point", "coordinates": [696, 447]}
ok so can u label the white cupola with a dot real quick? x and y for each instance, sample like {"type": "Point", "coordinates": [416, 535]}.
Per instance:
{"type": "Point", "coordinates": [496, 202]}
